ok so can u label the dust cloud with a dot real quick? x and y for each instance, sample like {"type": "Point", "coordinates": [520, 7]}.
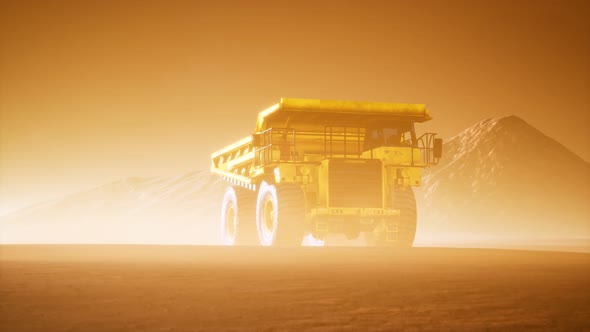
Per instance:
{"type": "Point", "coordinates": [500, 184]}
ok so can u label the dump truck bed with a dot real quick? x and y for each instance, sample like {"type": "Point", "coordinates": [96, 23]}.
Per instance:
{"type": "Point", "coordinates": [345, 111]}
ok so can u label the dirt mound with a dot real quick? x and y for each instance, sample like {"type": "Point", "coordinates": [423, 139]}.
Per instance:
{"type": "Point", "coordinates": [502, 179]}
{"type": "Point", "coordinates": [153, 210]}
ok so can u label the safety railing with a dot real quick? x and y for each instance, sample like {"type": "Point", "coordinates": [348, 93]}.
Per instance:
{"type": "Point", "coordinates": [284, 144]}
{"type": "Point", "coordinates": [273, 139]}
{"type": "Point", "coordinates": [425, 144]}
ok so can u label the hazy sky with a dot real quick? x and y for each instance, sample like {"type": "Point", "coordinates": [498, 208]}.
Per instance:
{"type": "Point", "coordinates": [91, 91]}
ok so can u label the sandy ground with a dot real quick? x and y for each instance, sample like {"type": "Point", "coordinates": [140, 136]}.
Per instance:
{"type": "Point", "coordinates": [191, 288]}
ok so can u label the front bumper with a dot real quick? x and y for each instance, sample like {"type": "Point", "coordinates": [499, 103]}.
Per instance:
{"type": "Point", "coordinates": [361, 213]}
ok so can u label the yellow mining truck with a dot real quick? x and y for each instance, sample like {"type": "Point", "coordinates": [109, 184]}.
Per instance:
{"type": "Point", "coordinates": [320, 167]}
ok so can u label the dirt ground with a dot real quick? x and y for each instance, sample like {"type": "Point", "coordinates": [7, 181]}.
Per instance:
{"type": "Point", "coordinates": [196, 288]}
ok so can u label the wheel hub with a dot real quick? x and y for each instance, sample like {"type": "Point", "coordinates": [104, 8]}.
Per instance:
{"type": "Point", "coordinates": [230, 222]}
{"type": "Point", "coordinates": [269, 214]}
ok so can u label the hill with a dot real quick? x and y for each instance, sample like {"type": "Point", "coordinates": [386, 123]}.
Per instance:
{"type": "Point", "coordinates": [156, 210]}
{"type": "Point", "coordinates": [504, 180]}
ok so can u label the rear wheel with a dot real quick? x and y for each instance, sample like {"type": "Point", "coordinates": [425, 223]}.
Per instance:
{"type": "Point", "coordinates": [238, 217]}
{"type": "Point", "coordinates": [397, 231]}
{"type": "Point", "coordinates": [280, 214]}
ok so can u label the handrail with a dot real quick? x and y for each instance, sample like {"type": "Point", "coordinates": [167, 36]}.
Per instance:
{"type": "Point", "coordinates": [426, 146]}
{"type": "Point", "coordinates": [343, 137]}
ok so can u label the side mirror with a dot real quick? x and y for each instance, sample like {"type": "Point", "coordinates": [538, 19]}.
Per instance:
{"type": "Point", "coordinates": [437, 148]}
{"type": "Point", "coordinates": [256, 140]}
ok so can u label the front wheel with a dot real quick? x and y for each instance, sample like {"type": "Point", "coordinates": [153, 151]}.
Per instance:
{"type": "Point", "coordinates": [237, 217]}
{"type": "Point", "coordinates": [280, 214]}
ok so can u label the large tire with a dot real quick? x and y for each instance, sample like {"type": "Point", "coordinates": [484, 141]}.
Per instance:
{"type": "Point", "coordinates": [280, 214]}
{"type": "Point", "coordinates": [403, 227]}
{"type": "Point", "coordinates": [405, 200]}
{"type": "Point", "coordinates": [238, 217]}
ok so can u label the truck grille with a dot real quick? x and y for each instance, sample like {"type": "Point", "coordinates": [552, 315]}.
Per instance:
{"type": "Point", "coordinates": [354, 184]}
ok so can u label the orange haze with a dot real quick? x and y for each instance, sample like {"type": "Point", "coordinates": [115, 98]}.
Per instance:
{"type": "Point", "coordinates": [91, 91]}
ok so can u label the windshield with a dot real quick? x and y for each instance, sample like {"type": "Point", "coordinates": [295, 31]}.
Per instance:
{"type": "Point", "coordinates": [399, 135]}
